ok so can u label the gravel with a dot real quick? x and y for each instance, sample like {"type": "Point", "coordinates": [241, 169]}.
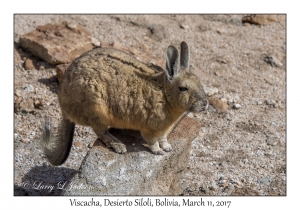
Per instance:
{"type": "Point", "coordinates": [264, 181]}
{"type": "Point", "coordinates": [237, 106]}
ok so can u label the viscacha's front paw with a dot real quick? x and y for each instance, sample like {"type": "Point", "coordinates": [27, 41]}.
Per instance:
{"type": "Point", "coordinates": [158, 152]}
{"type": "Point", "coordinates": [166, 146]}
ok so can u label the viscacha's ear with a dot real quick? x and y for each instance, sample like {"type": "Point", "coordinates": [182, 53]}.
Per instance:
{"type": "Point", "coordinates": [184, 55]}
{"type": "Point", "coordinates": [172, 65]}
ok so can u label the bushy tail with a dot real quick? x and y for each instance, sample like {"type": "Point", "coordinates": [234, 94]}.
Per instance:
{"type": "Point", "coordinates": [57, 147]}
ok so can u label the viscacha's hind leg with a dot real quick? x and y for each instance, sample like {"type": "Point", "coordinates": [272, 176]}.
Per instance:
{"type": "Point", "coordinates": [110, 141]}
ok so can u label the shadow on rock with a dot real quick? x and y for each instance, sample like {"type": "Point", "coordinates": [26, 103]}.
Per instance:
{"type": "Point", "coordinates": [132, 139]}
{"type": "Point", "coordinates": [45, 180]}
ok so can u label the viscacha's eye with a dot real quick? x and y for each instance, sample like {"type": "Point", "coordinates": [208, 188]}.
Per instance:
{"type": "Point", "coordinates": [183, 89]}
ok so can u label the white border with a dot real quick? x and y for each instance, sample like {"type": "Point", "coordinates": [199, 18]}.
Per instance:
{"type": "Point", "coordinates": [187, 6]}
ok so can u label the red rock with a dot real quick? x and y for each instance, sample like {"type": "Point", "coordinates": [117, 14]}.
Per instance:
{"type": "Point", "coordinates": [29, 64]}
{"type": "Point", "coordinates": [218, 104]}
{"type": "Point", "coordinates": [57, 44]}
{"type": "Point", "coordinates": [262, 19]}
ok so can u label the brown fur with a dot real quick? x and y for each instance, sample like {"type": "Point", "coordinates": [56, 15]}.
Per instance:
{"type": "Point", "coordinates": [107, 88]}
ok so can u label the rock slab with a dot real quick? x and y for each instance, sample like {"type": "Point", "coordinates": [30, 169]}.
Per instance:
{"type": "Point", "coordinates": [138, 172]}
{"type": "Point", "coordinates": [58, 43]}
{"type": "Point", "coordinates": [262, 19]}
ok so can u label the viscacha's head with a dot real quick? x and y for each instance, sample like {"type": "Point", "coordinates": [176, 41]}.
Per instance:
{"type": "Point", "coordinates": [183, 89]}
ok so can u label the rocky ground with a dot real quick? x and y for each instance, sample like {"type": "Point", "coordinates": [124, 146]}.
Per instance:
{"type": "Point", "coordinates": [241, 149]}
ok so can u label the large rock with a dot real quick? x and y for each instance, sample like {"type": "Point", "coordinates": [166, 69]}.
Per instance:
{"type": "Point", "coordinates": [138, 172]}
{"type": "Point", "coordinates": [263, 19]}
{"type": "Point", "coordinates": [219, 104]}
{"type": "Point", "coordinates": [58, 43]}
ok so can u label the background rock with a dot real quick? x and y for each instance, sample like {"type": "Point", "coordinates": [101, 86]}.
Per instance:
{"type": "Point", "coordinates": [29, 64]}
{"type": "Point", "coordinates": [272, 60]}
{"type": "Point", "coordinates": [262, 19]}
{"type": "Point", "coordinates": [157, 32]}
{"type": "Point", "coordinates": [218, 104]}
{"type": "Point", "coordinates": [57, 44]}
{"type": "Point", "coordinates": [237, 106]}
{"type": "Point", "coordinates": [209, 91]}
{"type": "Point", "coordinates": [272, 141]}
